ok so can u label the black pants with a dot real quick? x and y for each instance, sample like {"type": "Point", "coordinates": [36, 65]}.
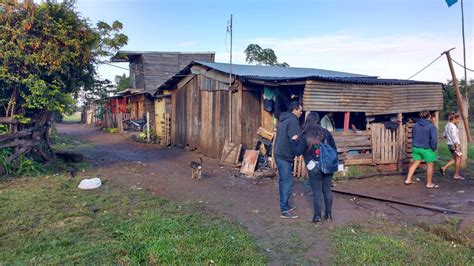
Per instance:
{"type": "Point", "coordinates": [321, 187]}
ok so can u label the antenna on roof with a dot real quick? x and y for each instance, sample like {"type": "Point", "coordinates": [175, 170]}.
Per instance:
{"type": "Point", "coordinates": [229, 29]}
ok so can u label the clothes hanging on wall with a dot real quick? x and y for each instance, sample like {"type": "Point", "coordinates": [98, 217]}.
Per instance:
{"type": "Point", "coordinates": [269, 96]}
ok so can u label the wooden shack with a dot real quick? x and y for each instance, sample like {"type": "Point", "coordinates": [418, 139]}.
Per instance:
{"type": "Point", "coordinates": [148, 71]}
{"type": "Point", "coordinates": [204, 108]}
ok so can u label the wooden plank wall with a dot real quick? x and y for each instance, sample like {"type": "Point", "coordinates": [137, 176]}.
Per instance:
{"type": "Point", "coordinates": [342, 97]}
{"type": "Point", "coordinates": [159, 67]}
{"type": "Point", "coordinates": [137, 74]}
{"type": "Point", "coordinates": [251, 118]}
{"type": "Point", "coordinates": [371, 99]}
{"type": "Point", "coordinates": [408, 142]}
{"type": "Point", "coordinates": [200, 116]}
{"type": "Point", "coordinates": [415, 98]}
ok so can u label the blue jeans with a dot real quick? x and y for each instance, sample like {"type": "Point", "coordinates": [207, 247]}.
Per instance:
{"type": "Point", "coordinates": [321, 187]}
{"type": "Point", "coordinates": [285, 183]}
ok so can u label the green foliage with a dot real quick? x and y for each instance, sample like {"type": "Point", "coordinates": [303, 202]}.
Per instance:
{"type": "Point", "coordinates": [122, 82]}
{"type": "Point", "coordinates": [7, 167]}
{"type": "Point", "coordinates": [112, 130]}
{"type": "Point", "coordinates": [449, 96]}
{"type": "Point", "coordinates": [47, 220]}
{"type": "Point", "coordinates": [48, 52]}
{"type": "Point", "coordinates": [3, 129]}
{"type": "Point", "coordinates": [26, 166]}
{"type": "Point", "coordinates": [256, 54]}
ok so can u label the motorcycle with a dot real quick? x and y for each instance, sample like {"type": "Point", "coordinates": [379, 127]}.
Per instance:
{"type": "Point", "coordinates": [137, 125]}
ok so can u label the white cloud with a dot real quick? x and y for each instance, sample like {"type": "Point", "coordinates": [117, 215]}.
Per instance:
{"type": "Point", "coordinates": [397, 56]}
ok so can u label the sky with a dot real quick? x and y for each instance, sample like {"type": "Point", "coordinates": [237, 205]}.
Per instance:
{"type": "Point", "coordinates": [385, 38]}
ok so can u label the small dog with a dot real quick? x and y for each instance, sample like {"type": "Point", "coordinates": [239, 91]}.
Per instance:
{"type": "Point", "coordinates": [196, 169]}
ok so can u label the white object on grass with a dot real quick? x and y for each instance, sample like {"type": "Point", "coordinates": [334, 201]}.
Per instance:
{"type": "Point", "coordinates": [91, 183]}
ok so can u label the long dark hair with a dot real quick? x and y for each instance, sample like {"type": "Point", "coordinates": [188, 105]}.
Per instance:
{"type": "Point", "coordinates": [313, 132]}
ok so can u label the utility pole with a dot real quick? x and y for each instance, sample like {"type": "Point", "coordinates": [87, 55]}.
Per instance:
{"type": "Point", "coordinates": [230, 82]}
{"type": "Point", "coordinates": [466, 99]}
{"type": "Point", "coordinates": [464, 44]}
{"type": "Point", "coordinates": [466, 134]}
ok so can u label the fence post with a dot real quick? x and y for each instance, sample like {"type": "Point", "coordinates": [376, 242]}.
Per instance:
{"type": "Point", "coordinates": [119, 122]}
{"type": "Point", "coordinates": [148, 126]}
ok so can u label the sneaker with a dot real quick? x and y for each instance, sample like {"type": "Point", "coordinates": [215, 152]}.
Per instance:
{"type": "Point", "coordinates": [292, 208]}
{"type": "Point", "coordinates": [316, 219]}
{"type": "Point", "coordinates": [288, 215]}
{"type": "Point", "coordinates": [328, 217]}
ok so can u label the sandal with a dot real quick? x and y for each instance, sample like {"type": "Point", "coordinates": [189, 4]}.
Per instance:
{"type": "Point", "coordinates": [442, 172]}
{"type": "Point", "coordinates": [433, 187]}
{"type": "Point", "coordinates": [459, 178]}
{"type": "Point", "coordinates": [408, 183]}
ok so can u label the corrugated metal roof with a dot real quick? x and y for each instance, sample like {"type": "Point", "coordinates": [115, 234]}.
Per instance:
{"type": "Point", "coordinates": [276, 72]}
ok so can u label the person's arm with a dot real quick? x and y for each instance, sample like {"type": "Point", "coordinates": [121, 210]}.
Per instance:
{"type": "Point", "coordinates": [298, 145]}
{"type": "Point", "coordinates": [433, 138]}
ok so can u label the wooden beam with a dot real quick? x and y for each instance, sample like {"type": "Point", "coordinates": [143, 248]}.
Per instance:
{"type": "Point", "coordinates": [400, 140]}
{"type": "Point", "coordinates": [8, 120]}
{"type": "Point", "coordinates": [423, 206]}
{"type": "Point", "coordinates": [212, 74]}
{"type": "Point", "coordinates": [185, 81]}
{"type": "Point", "coordinates": [276, 83]}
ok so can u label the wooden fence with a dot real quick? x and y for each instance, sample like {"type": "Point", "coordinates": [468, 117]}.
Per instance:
{"type": "Point", "coordinates": [377, 145]}
{"type": "Point", "coordinates": [387, 145]}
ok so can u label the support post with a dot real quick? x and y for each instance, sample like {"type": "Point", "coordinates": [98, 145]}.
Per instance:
{"type": "Point", "coordinates": [347, 117]}
{"type": "Point", "coordinates": [147, 126]}
{"type": "Point", "coordinates": [400, 142]}
{"type": "Point", "coordinates": [464, 134]}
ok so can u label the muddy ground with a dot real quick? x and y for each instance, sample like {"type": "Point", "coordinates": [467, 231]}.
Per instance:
{"type": "Point", "coordinates": [165, 172]}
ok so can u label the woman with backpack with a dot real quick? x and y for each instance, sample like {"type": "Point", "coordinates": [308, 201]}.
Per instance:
{"type": "Point", "coordinates": [319, 151]}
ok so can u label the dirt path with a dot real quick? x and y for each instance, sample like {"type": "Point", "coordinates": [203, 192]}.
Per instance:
{"type": "Point", "coordinates": [165, 172]}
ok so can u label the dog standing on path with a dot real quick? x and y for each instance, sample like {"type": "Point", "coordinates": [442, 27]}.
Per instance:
{"type": "Point", "coordinates": [196, 169]}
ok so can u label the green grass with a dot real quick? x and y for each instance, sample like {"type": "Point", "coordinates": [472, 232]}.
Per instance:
{"type": "Point", "coordinates": [393, 244]}
{"type": "Point", "coordinates": [443, 151]}
{"type": "Point", "coordinates": [47, 220]}
{"type": "Point", "coordinates": [73, 118]}
{"type": "Point", "coordinates": [355, 170]}
{"type": "Point", "coordinates": [65, 143]}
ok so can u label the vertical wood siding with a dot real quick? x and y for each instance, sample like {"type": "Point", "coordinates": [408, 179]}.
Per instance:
{"type": "Point", "coordinates": [201, 116]}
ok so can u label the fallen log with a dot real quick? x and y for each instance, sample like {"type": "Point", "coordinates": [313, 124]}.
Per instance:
{"type": "Point", "coordinates": [21, 134]}
{"type": "Point", "coordinates": [8, 120]}
{"type": "Point", "coordinates": [423, 206]}
{"type": "Point", "coordinates": [382, 174]}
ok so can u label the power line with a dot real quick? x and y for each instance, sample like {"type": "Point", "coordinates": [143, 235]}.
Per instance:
{"type": "Point", "coordinates": [426, 67]}
{"type": "Point", "coordinates": [115, 66]}
{"type": "Point", "coordinates": [462, 65]}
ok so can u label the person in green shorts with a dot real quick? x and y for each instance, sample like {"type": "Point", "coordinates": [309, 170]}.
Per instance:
{"type": "Point", "coordinates": [425, 143]}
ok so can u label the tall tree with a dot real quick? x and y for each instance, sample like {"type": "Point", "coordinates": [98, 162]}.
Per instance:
{"type": "Point", "coordinates": [256, 54]}
{"type": "Point", "coordinates": [122, 82]}
{"type": "Point", "coordinates": [47, 53]}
